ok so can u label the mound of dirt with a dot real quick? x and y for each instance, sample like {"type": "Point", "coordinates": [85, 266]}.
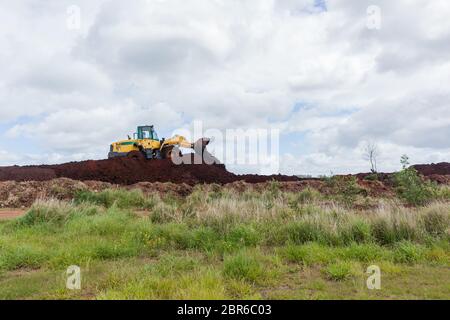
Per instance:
{"type": "Point", "coordinates": [15, 194]}
{"type": "Point", "coordinates": [437, 172]}
{"type": "Point", "coordinates": [440, 169]}
{"type": "Point", "coordinates": [192, 171]}
{"type": "Point", "coordinates": [26, 174]}
{"type": "Point", "coordinates": [130, 171]}
{"type": "Point", "coordinates": [127, 171]}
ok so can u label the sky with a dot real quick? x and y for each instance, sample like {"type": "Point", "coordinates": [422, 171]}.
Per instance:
{"type": "Point", "coordinates": [331, 76]}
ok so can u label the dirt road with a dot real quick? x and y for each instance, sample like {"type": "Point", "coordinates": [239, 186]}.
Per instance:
{"type": "Point", "coordinates": [7, 214]}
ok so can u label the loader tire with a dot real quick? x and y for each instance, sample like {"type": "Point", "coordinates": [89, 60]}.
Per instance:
{"type": "Point", "coordinates": [166, 153]}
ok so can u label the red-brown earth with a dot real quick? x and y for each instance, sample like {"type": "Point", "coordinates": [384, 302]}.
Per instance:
{"type": "Point", "coordinates": [126, 171]}
{"type": "Point", "coordinates": [21, 186]}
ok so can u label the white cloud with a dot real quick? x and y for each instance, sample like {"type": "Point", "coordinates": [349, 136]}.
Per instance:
{"type": "Point", "coordinates": [7, 158]}
{"type": "Point", "coordinates": [60, 131]}
{"type": "Point", "coordinates": [231, 64]}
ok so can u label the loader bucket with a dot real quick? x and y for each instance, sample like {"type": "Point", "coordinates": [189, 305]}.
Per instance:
{"type": "Point", "coordinates": [203, 154]}
{"type": "Point", "coordinates": [203, 142]}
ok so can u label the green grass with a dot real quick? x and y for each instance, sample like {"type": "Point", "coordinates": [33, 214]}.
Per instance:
{"type": "Point", "coordinates": [117, 197]}
{"type": "Point", "coordinates": [406, 252]}
{"type": "Point", "coordinates": [252, 266]}
{"type": "Point", "coordinates": [241, 266]}
{"type": "Point", "coordinates": [220, 244]}
{"type": "Point", "coordinates": [340, 270]}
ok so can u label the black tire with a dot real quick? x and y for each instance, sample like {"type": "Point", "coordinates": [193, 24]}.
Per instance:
{"type": "Point", "coordinates": [166, 152]}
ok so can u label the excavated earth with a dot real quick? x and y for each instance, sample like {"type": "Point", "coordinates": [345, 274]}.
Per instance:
{"type": "Point", "coordinates": [126, 171]}
{"type": "Point", "coordinates": [437, 172]}
{"type": "Point", "coordinates": [21, 186]}
{"type": "Point", "coordinates": [442, 169]}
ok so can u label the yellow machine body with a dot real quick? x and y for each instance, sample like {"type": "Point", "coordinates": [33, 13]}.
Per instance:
{"type": "Point", "coordinates": [145, 143]}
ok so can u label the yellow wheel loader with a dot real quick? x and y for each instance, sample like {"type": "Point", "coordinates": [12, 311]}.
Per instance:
{"type": "Point", "coordinates": [146, 144]}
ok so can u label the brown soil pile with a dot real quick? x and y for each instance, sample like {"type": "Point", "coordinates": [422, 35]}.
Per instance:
{"type": "Point", "coordinates": [441, 169]}
{"type": "Point", "coordinates": [439, 172]}
{"type": "Point", "coordinates": [127, 171]}
{"type": "Point", "coordinates": [26, 174]}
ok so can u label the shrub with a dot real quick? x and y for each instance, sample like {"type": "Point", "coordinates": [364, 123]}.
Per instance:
{"type": "Point", "coordinates": [410, 186]}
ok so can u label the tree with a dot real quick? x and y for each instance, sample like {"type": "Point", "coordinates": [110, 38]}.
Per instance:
{"type": "Point", "coordinates": [404, 160]}
{"type": "Point", "coordinates": [371, 154]}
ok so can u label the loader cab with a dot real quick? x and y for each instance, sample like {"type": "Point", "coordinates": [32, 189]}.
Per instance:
{"type": "Point", "coordinates": [146, 132]}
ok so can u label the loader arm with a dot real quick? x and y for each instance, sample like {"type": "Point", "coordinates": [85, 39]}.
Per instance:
{"type": "Point", "coordinates": [179, 141]}
{"type": "Point", "coordinates": [182, 142]}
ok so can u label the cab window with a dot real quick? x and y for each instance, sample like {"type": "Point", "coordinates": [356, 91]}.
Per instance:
{"type": "Point", "coordinates": [146, 134]}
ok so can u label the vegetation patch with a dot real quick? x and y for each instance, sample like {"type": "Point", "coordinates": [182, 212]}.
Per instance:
{"type": "Point", "coordinates": [218, 243]}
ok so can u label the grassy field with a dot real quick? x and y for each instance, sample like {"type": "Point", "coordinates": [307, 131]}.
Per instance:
{"type": "Point", "coordinates": [223, 244]}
